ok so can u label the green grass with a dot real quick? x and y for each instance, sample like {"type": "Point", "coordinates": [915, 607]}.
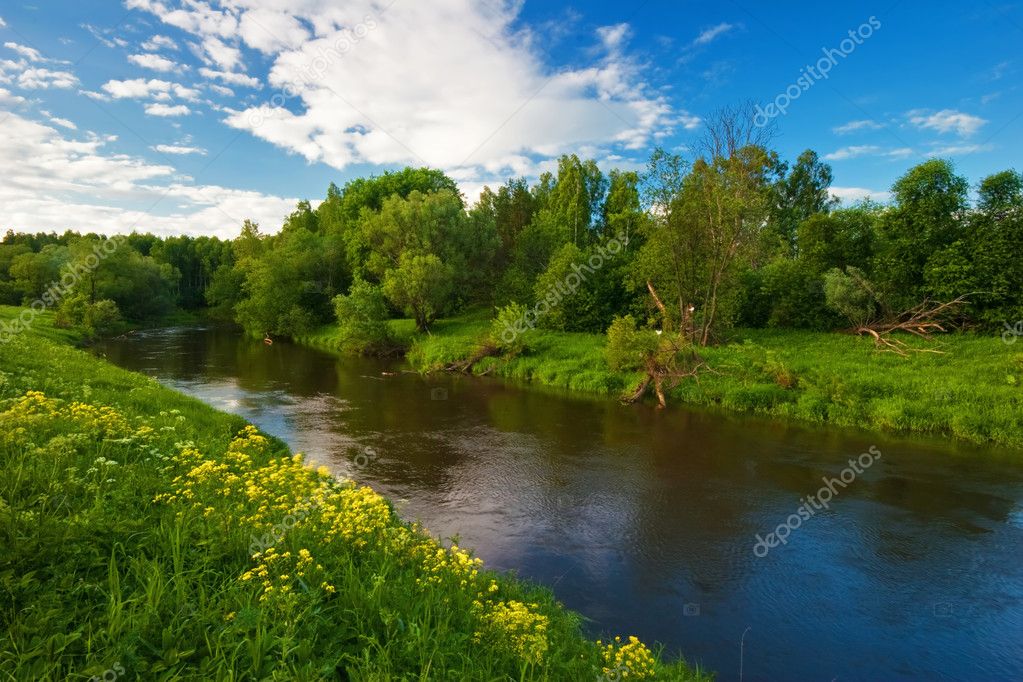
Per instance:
{"type": "Point", "coordinates": [973, 391]}
{"type": "Point", "coordinates": [134, 527]}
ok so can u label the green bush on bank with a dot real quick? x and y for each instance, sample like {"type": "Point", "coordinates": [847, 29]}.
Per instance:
{"type": "Point", "coordinates": [972, 390]}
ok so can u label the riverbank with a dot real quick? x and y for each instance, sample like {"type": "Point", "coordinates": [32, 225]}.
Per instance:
{"type": "Point", "coordinates": [148, 535]}
{"type": "Point", "coordinates": [973, 390]}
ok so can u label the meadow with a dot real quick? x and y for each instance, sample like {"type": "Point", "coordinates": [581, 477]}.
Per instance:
{"type": "Point", "coordinates": [146, 535]}
{"type": "Point", "coordinates": [971, 390]}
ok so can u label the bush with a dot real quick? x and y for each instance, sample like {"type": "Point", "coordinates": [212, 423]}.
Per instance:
{"type": "Point", "coordinates": [91, 319]}
{"type": "Point", "coordinates": [850, 294]}
{"type": "Point", "coordinates": [362, 320]}
{"type": "Point", "coordinates": [628, 347]}
{"type": "Point", "coordinates": [509, 327]}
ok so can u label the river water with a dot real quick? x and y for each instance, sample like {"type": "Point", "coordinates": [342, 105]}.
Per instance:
{"type": "Point", "coordinates": [646, 521]}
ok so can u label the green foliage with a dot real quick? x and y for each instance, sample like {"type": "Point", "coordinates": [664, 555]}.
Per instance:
{"type": "Point", "coordinates": [362, 320]}
{"type": "Point", "coordinates": [628, 347]}
{"type": "Point", "coordinates": [91, 320]}
{"type": "Point", "coordinates": [929, 215]}
{"type": "Point", "coordinates": [420, 286]}
{"type": "Point", "coordinates": [508, 331]}
{"type": "Point", "coordinates": [850, 294]}
{"type": "Point", "coordinates": [824, 378]}
{"type": "Point", "coordinates": [131, 521]}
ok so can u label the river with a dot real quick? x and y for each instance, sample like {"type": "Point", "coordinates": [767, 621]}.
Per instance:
{"type": "Point", "coordinates": [647, 521]}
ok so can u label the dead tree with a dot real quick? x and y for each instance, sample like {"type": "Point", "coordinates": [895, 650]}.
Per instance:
{"type": "Point", "coordinates": [922, 320]}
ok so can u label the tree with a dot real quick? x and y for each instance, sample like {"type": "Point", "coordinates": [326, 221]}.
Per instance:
{"type": "Point", "coordinates": [801, 194]}
{"type": "Point", "coordinates": [420, 286]}
{"type": "Point", "coordinates": [929, 215]}
{"type": "Point", "coordinates": [362, 320]}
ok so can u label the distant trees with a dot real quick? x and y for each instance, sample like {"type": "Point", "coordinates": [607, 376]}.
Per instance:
{"type": "Point", "coordinates": [728, 234]}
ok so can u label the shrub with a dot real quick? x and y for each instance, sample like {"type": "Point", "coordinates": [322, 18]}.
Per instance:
{"type": "Point", "coordinates": [362, 319]}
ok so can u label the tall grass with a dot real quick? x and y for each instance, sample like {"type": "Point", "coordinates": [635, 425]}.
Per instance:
{"type": "Point", "coordinates": [144, 535]}
{"type": "Point", "coordinates": [972, 390]}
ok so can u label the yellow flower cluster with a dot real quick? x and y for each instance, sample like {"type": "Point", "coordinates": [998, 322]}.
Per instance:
{"type": "Point", "coordinates": [105, 422]}
{"type": "Point", "coordinates": [629, 661]}
{"type": "Point", "coordinates": [286, 493]}
{"type": "Point", "coordinates": [278, 573]}
{"type": "Point", "coordinates": [515, 626]}
{"type": "Point", "coordinates": [34, 411]}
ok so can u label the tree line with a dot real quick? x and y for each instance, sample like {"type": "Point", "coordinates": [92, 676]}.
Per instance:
{"type": "Point", "coordinates": [726, 234]}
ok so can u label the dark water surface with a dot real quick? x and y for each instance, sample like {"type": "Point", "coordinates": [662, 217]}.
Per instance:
{"type": "Point", "coordinates": [646, 521]}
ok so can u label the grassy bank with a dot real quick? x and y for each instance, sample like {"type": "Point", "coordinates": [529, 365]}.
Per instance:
{"type": "Point", "coordinates": [147, 536]}
{"type": "Point", "coordinates": [972, 391]}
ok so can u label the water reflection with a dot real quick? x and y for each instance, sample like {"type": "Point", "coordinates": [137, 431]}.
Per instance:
{"type": "Point", "coordinates": [645, 521]}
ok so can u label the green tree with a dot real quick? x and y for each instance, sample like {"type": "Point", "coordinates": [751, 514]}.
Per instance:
{"type": "Point", "coordinates": [420, 286]}
{"type": "Point", "coordinates": [929, 215]}
{"type": "Point", "coordinates": [362, 320]}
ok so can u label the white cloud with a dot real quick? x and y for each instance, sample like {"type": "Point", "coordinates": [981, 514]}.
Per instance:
{"type": "Point", "coordinates": [179, 149]}
{"type": "Point", "coordinates": [140, 88]}
{"type": "Point", "coordinates": [959, 149]}
{"type": "Point", "coordinates": [167, 110]}
{"type": "Point", "coordinates": [218, 53]}
{"type": "Point", "coordinates": [29, 53]}
{"type": "Point", "coordinates": [56, 183]}
{"type": "Point", "coordinates": [63, 122]}
{"type": "Point", "coordinates": [42, 79]}
{"type": "Point", "coordinates": [946, 121]}
{"type": "Point", "coordinates": [856, 151]}
{"type": "Point", "coordinates": [853, 126]}
{"type": "Point", "coordinates": [10, 99]}
{"type": "Point", "coordinates": [158, 42]}
{"type": "Point", "coordinates": [154, 62]}
{"type": "Point", "coordinates": [709, 35]}
{"type": "Point", "coordinates": [454, 84]}
{"type": "Point", "coordinates": [852, 152]}
{"type": "Point", "coordinates": [852, 195]}
{"type": "Point", "coordinates": [220, 89]}
{"type": "Point", "coordinates": [231, 77]}
{"type": "Point", "coordinates": [101, 36]}
{"type": "Point", "coordinates": [270, 30]}
{"type": "Point", "coordinates": [2, 22]}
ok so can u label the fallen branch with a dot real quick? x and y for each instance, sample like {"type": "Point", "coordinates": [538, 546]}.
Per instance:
{"type": "Point", "coordinates": [923, 320]}
{"type": "Point", "coordinates": [465, 366]}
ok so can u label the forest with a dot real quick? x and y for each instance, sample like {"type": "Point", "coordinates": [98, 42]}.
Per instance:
{"type": "Point", "coordinates": [726, 234]}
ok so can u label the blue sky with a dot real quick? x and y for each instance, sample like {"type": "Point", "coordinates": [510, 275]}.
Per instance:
{"type": "Point", "coordinates": [190, 115]}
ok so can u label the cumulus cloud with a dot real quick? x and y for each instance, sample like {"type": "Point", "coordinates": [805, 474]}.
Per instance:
{"type": "Point", "coordinates": [63, 123]}
{"type": "Point", "coordinates": [231, 77]}
{"type": "Point", "coordinates": [158, 42]}
{"type": "Point", "coordinates": [28, 53]}
{"type": "Point", "coordinates": [154, 88]}
{"type": "Point", "coordinates": [10, 99]}
{"type": "Point", "coordinates": [946, 121]}
{"type": "Point", "coordinates": [42, 79]}
{"type": "Point", "coordinates": [154, 62]}
{"type": "Point", "coordinates": [454, 84]}
{"type": "Point", "coordinates": [52, 182]}
{"type": "Point", "coordinates": [159, 109]}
